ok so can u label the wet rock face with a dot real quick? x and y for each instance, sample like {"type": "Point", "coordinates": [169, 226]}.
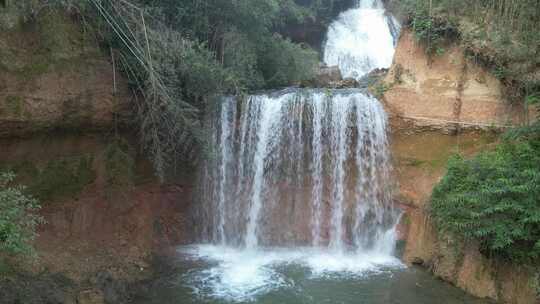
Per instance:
{"type": "Point", "coordinates": [45, 288]}
{"type": "Point", "coordinates": [312, 30]}
{"type": "Point", "coordinates": [328, 75]}
{"type": "Point", "coordinates": [91, 296]}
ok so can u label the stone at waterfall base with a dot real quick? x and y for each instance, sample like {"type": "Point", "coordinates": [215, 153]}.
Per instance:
{"type": "Point", "coordinates": [330, 77]}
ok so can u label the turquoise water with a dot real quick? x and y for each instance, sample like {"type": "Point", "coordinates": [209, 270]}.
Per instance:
{"type": "Point", "coordinates": [295, 277]}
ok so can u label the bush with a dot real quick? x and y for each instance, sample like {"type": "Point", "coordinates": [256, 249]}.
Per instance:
{"type": "Point", "coordinates": [283, 62]}
{"type": "Point", "coordinates": [179, 57]}
{"type": "Point", "coordinates": [433, 32]}
{"type": "Point", "coordinates": [18, 218]}
{"type": "Point", "coordinates": [495, 199]}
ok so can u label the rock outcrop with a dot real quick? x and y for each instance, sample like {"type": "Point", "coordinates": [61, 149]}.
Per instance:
{"type": "Point", "coordinates": [329, 77]}
{"type": "Point", "coordinates": [445, 91]}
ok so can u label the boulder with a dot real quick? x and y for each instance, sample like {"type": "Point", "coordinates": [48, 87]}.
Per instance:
{"type": "Point", "coordinates": [328, 75]}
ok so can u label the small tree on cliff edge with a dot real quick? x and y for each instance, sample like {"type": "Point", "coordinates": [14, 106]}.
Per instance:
{"type": "Point", "coordinates": [18, 217]}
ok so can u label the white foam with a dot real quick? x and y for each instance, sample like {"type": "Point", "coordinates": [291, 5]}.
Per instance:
{"type": "Point", "coordinates": [242, 275]}
{"type": "Point", "coordinates": [360, 40]}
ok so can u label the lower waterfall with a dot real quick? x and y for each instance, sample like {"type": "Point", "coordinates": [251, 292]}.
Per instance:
{"type": "Point", "coordinates": [297, 176]}
{"type": "Point", "coordinates": [300, 168]}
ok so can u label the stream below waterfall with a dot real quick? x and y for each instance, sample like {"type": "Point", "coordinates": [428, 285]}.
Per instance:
{"type": "Point", "coordinates": [296, 198]}
{"type": "Point", "coordinates": [217, 275]}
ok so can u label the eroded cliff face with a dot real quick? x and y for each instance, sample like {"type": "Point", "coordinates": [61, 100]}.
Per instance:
{"type": "Point", "coordinates": [439, 106]}
{"type": "Point", "coordinates": [53, 75]}
{"type": "Point", "coordinates": [62, 108]}
{"type": "Point", "coordinates": [445, 91]}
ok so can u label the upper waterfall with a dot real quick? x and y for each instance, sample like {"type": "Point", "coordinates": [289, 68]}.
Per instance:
{"type": "Point", "coordinates": [361, 39]}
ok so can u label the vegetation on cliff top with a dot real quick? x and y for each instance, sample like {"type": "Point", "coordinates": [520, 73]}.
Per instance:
{"type": "Point", "coordinates": [501, 35]}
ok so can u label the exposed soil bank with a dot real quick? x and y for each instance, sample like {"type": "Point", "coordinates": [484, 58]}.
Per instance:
{"type": "Point", "coordinates": [445, 92]}
{"type": "Point", "coordinates": [53, 75]}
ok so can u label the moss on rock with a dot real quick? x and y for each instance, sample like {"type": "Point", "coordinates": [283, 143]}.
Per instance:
{"type": "Point", "coordinates": [13, 106]}
{"type": "Point", "coordinates": [119, 166]}
{"type": "Point", "coordinates": [59, 178]}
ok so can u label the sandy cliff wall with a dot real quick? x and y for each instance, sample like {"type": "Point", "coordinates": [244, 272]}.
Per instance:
{"type": "Point", "coordinates": [439, 91]}
{"type": "Point", "coordinates": [105, 221]}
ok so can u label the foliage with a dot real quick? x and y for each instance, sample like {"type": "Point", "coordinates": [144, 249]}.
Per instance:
{"type": "Point", "coordinates": [55, 179]}
{"type": "Point", "coordinates": [380, 89]}
{"type": "Point", "coordinates": [242, 37]}
{"type": "Point", "coordinates": [179, 55]}
{"type": "Point", "coordinates": [18, 218]}
{"type": "Point", "coordinates": [495, 198]}
{"type": "Point", "coordinates": [432, 32]}
{"type": "Point", "coordinates": [283, 62]}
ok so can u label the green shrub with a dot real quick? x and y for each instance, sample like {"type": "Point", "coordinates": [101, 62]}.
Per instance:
{"type": "Point", "coordinates": [18, 218]}
{"type": "Point", "coordinates": [283, 62]}
{"type": "Point", "coordinates": [433, 32]}
{"type": "Point", "coordinates": [495, 199]}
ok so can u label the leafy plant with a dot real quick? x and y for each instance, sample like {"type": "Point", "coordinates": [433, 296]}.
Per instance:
{"type": "Point", "coordinates": [180, 55]}
{"type": "Point", "coordinates": [495, 199]}
{"type": "Point", "coordinates": [432, 32]}
{"type": "Point", "coordinates": [18, 218]}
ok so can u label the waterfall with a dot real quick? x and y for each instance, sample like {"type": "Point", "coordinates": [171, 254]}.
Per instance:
{"type": "Point", "coordinates": [301, 175]}
{"type": "Point", "coordinates": [312, 168]}
{"type": "Point", "coordinates": [361, 39]}
{"type": "Point", "coordinates": [308, 167]}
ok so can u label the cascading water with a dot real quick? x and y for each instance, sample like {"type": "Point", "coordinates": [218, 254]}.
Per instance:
{"type": "Point", "coordinates": [302, 175]}
{"type": "Point", "coordinates": [362, 39]}
{"type": "Point", "coordinates": [310, 167]}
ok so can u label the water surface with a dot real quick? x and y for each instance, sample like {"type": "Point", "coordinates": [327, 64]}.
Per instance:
{"type": "Point", "coordinates": [211, 274]}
